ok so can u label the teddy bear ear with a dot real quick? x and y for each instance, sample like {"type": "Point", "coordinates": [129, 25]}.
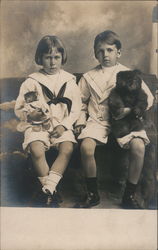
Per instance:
{"type": "Point", "coordinates": [137, 72]}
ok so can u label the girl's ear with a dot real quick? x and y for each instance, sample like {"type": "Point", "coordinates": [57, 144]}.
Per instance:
{"type": "Point", "coordinates": [118, 53]}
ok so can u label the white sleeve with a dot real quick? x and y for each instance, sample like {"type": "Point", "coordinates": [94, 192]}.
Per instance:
{"type": "Point", "coordinates": [27, 85]}
{"type": "Point", "coordinates": [74, 94]}
{"type": "Point", "coordinates": [149, 95]}
{"type": "Point", "coordinates": [85, 95]}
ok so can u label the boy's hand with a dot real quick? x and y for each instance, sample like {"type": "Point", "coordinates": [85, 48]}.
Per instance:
{"type": "Point", "coordinates": [58, 131]}
{"type": "Point", "coordinates": [125, 111]}
{"type": "Point", "coordinates": [78, 129]}
{"type": "Point", "coordinates": [137, 112]}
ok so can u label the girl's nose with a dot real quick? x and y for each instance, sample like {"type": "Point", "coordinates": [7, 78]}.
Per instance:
{"type": "Point", "coordinates": [51, 61]}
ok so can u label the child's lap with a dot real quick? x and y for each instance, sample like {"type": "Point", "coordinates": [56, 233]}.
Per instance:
{"type": "Point", "coordinates": [43, 136]}
{"type": "Point", "coordinates": [100, 134]}
{"type": "Point", "coordinates": [124, 141]}
{"type": "Point", "coordinates": [95, 131]}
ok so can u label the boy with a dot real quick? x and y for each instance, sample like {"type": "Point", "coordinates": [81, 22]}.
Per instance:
{"type": "Point", "coordinates": [95, 87]}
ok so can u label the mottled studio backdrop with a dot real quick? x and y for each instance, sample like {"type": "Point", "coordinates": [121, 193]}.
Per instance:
{"type": "Point", "coordinates": [76, 23]}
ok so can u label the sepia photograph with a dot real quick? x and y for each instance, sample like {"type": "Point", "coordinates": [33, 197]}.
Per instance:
{"type": "Point", "coordinates": [79, 97]}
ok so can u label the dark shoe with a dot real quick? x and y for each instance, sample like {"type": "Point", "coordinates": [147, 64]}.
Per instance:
{"type": "Point", "coordinates": [45, 200]}
{"type": "Point", "coordinates": [130, 202]}
{"type": "Point", "coordinates": [57, 197]}
{"type": "Point", "coordinates": [52, 200]}
{"type": "Point", "coordinates": [92, 200]}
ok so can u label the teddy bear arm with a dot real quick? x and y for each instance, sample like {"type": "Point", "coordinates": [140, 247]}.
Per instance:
{"type": "Point", "coordinates": [116, 105]}
{"type": "Point", "coordinates": [141, 104]}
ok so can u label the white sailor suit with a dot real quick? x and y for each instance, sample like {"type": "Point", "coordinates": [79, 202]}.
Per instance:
{"type": "Point", "coordinates": [59, 112]}
{"type": "Point", "coordinates": [95, 87]}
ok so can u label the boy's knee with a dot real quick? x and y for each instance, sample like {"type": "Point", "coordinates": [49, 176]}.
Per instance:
{"type": "Point", "coordinates": [137, 146]}
{"type": "Point", "coordinates": [87, 148]}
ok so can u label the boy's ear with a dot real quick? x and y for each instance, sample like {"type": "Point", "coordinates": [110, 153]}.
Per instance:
{"type": "Point", "coordinates": [118, 53]}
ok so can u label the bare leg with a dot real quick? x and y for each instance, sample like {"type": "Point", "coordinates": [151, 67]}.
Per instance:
{"type": "Point", "coordinates": [42, 169]}
{"type": "Point", "coordinates": [137, 151]}
{"type": "Point", "coordinates": [58, 167]}
{"type": "Point", "coordinates": [65, 151]}
{"type": "Point", "coordinates": [38, 157]}
{"type": "Point", "coordinates": [88, 146]}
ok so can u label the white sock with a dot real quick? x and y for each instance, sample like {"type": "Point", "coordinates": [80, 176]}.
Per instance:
{"type": "Point", "coordinates": [43, 179]}
{"type": "Point", "coordinates": [51, 182]}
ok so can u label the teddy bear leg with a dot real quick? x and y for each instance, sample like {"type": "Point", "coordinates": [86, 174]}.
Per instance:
{"type": "Point", "coordinates": [120, 128]}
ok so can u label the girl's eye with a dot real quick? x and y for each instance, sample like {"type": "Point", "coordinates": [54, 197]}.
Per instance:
{"type": "Point", "coordinates": [57, 57]}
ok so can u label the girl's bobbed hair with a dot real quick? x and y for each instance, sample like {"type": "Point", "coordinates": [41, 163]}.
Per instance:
{"type": "Point", "coordinates": [109, 37]}
{"type": "Point", "coordinates": [46, 44]}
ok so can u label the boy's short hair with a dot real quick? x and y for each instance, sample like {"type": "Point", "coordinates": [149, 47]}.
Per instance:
{"type": "Point", "coordinates": [109, 37]}
{"type": "Point", "coordinates": [46, 44]}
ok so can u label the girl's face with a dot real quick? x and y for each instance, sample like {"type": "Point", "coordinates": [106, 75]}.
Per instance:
{"type": "Point", "coordinates": [52, 61]}
{"type": "Point", "coordinates": [107, 54]}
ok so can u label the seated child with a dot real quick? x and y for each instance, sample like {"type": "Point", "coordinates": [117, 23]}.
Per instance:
{"type": "Point", "coordinates": [58, 92]}
{"type": "Point", "coordinates": [93, 124]}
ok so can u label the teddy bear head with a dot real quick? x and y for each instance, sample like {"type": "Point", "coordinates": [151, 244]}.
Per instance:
{"type": "Point", "coordinates": [129, 81]}
{"type": "Point", "coordinates": [30, 96]}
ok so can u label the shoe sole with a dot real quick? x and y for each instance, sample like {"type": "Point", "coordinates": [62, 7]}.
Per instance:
{"type": "Point", "coordinates": [92, 205]}
{"type": "Point", "coordinates": [128, 207]}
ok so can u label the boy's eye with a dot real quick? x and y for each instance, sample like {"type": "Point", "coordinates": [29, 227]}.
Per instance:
{"type": "Point", "coordinates": [109, 50]}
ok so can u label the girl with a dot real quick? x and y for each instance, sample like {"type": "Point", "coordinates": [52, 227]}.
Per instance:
{"type": "Point", "coordinates": [56, 89]}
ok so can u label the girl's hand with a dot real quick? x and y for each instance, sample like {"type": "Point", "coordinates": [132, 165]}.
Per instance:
{"type": "Point", "coordinates": [24, 116]}
{"type": "Point", "coordinates": [78, 129]}
{"type": "Point", "coordinates": [58, 131]}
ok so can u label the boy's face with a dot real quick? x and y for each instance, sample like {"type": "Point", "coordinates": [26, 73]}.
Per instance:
{"type": "Point", "coordinates": [107, 54]}
{"type": "Point", "coordinates": [52, 61]}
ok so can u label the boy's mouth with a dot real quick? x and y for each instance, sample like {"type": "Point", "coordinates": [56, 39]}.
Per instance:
{"type": "Point", "coordinates": [106, 60]}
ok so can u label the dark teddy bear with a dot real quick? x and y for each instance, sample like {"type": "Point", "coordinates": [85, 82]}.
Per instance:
{"type": "Point", "coordinates": [127, 94]}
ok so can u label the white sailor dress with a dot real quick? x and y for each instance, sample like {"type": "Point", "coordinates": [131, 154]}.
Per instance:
{"type": "Point", "coordinates": [49, 86]}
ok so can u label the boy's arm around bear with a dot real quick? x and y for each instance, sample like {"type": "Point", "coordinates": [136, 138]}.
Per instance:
{"type": "Point", "coordinates": [150, 98]}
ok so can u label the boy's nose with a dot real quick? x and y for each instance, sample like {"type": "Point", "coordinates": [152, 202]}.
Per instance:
{"type": "Point", "coordinates": [105, 53]}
